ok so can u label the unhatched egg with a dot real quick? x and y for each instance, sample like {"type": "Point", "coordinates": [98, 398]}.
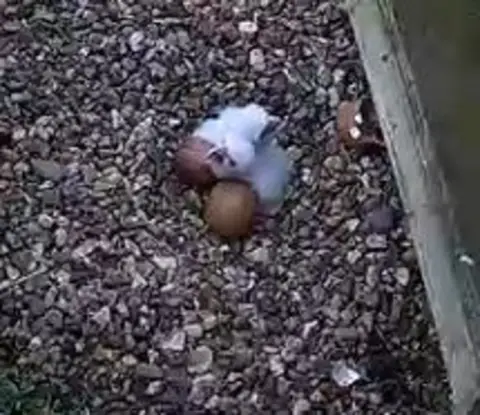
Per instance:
{"type": "Point", "coordinates": [230, 208]}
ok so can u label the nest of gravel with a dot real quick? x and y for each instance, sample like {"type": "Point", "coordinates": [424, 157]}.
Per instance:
{"type": "Point", "coordinates": [109, 282]}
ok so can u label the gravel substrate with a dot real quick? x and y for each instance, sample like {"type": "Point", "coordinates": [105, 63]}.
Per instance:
{"type": "Point", "coordinates": [109, 282]}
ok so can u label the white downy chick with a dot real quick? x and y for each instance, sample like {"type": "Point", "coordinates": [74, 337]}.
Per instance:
{"type": "Point", "coordinates": [248, 122]}
{"type": "Point", "coordinates": [235, 134]}
{"type": "Point", "coordinates": [269, 176]}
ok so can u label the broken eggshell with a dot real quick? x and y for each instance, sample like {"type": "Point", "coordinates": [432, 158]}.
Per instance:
{"type": "Point", "coordinates": [351, 127]}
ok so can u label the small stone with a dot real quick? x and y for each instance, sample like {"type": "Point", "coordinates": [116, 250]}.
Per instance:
{"type": "Point", "coordinates": [209, 320]}
{"type": "Point", "coordinates": [48, 169]}
{"type": "Point", "coordinates": [257, 59]}
{"type": "Point", "coordinates": [11, 26]}
{"type": "Point", "coordinates": [176, 342]}
{"type": "Point", "coordinates": [136, 41]}
{"type": "Point", "coordinates": [45, 221]}
{"type": "Point", "coordinates": [149, 371]}
{"type": "Point", "coordinates": [108, 179]}
{"type": "Point", "coordinates": [54, 318]}
{"type": "Point", "coordinates": [165, 263]}
{"type": "Point", "coordinates": [194, 330]}
{"type": "Point", "coordinates": [102, 317]}
{"type": "Point", "coordinates": [371, 277]}
{"type": "Point", "coordinates": [35, 343]}
{"type": "Point", "coordinates": [200, 360]}
{"type": "Point", "coordinates": [248, 27]}
{"type": "Point", "coordinates": [19, 134]}
{"type": "Point", "coordinates": [308, 327]}
{"type": "Point", "coordinates": [202, 388]}
{"type": "Point", "coordinates": [376, 241]}
{"type": "Point", "coordinates": [60, 237]}
{"type": "Point", "coordinates": [353, 256]}
{"type": "Point", "coordinates": [301, 406]}
{"type": "Point", "coordinates": [352, 224]}
{"type": "Point", "coordinates": [23, 260]}
{"type": "Point", "coordinates": [403, 276]}
{"type": "Point", "coordinates": [381, 219]}
{"type": "Point", "coordinates": [12, 272]}
{"type": "Point", "coordinates": [375, 398]}
{"type": "Point", "coordinates": [154, 388]}
{"type": "Point", "coordinates": [13, 240]}
{"type": "Point", "coordinates": [259, 255]}
{"type": "Point", "coordinates": [36, 307]}
{"type": "Point", "coordinates": [343, 375]}
{"type": "Point", "coordinates": [334, 97]}
{"type": "Point", "coordinates": [276, 365]}
{"type": "Point", "coordinates": [334, 163]}
{"type": "Point", "coordinates": [346, 333]}
{"type": "Point", "coordinates": [129, 360]}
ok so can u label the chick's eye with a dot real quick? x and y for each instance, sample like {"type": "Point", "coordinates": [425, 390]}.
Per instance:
{"type": "Point", "coordinates": [217, 157]}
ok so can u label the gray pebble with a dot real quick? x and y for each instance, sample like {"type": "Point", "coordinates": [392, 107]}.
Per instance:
{"type": "Point", "coordinates": [200, 359]}
{"type": "Point", "coordinates": [176, 342]}
{"type": "Point", "coordinates": [195, 331]}
{"type": "Point", "coordinates": [301, 406]}
{"type": "Point", "coordinates": [54, 318]}
{"type": "Point", "coordinates": [376, 241]}
{"type": "Point", "coordinates": [61, 237]}
{"type": "Point", "coordinates": [48, 169]}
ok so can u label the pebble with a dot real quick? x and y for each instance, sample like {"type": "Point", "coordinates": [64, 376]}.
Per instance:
{"type": "Point", "coordinates": [402, 275]}
{"type": "Point", "coordinates": [108, 180]}
{"type": "Point", "coordinates": [301, 406]}
{"type": "Point", "coordinates": [376, 242]}
{"type": "Point", "coordinates": [165, 263]}
{"type": "Point", "coordinates": [54, 317]}
{"type": "Point", "coordinates": [194, 330]}
{"type": "Point", "coordinates": [354, 256]}
{"type": "Point", "coordinates": [380, 219]}
{"type": "Point", "coordinates": [353, 224]}
{"type": "Point", "coordinates": [149, 371]}
{"type": "Point", "coordinates": [12, 272]}
{"type": "Point", "coordinates": [257, 59]}
{"type": "Point", "coordinates": [276, 365]}
{"type": "Point", "coordinates": [48, 169]}
{"type": "Point", "coordinates": [136, 41]}
{"type": "Point", "coordinates": [334, 163]}
{"type": "Point", "coordinates": [129, 360]}
{"type": "Point", "coordinates": [102, 317]}
{"type": "Point", "coordinates": [259, 255]}
{"type": "Point", "coordinates": [202, 388]}
{"type": "Point", "coordinates": [176, 342]}
{"type": "Point", "coordinates": [60, 237]}
{"type": "Point", "coordinates": [209, 320]}
{"type": "Point", "coordinates": [248, 27]}
{"type": "Point", "coordinates": [45, 221]}
{"type": "Point", "coordinates": [200, 360]}
{"type": "Point", "coordinates": [154, 388]}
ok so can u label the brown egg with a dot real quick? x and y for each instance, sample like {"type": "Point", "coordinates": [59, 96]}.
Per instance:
{"type": "Point", "coordinates": [230, 208]}
{"type": "Point", "coordinates": [190, 162]}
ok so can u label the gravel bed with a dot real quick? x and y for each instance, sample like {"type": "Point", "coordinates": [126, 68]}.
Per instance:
{"type": "Point", "coordinates": [108, 281]}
